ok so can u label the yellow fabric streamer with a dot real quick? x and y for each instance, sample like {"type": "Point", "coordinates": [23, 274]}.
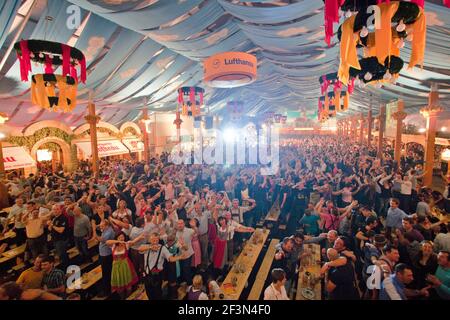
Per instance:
{"type": "Point", "coordinates": [419, 31]}
{"type": "Point", "coordinates": [383, 35]}
{"type": "Point", "coordinates": [349, 56]}
{"type": "Point", "coordinates": [40, 93]}
{"type": "Point", "coordinates": [326, 104]}
{"type": "Point", "coordinates": [337, 100]}
{"type": "Point", "coordinates": [195, 110]}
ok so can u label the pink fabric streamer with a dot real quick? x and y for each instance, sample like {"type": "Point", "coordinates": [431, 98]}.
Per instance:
{"type": "Point", "coordinates": [48, 65]}
{"type": "Point", "coordinates": [331, 16]}
{"type": "Point", "coordinates": [320, 108]}
{"type": "Point", "coordinates": [351, 85]}
{"type": "Point", "coordinates": [83, 70]}
{"type": "Point", "coordinates": [447, 3]}
{"type": "Point", "coordinates": [325, 84]}
{"type": "Point", "coordinates": [180, 96]}
{"type": "Point", "coordinates": [337, 86]}
{"type": "Point", "coordinates": [66, 59]}
{"type": "Point", "coordinates": [73, 73]}
{"type": "Point", "coordinates": [24, 59]}
{"type": "Point", "coordinates": [192, 95]}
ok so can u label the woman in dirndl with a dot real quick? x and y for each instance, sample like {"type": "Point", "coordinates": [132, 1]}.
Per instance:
{"type": "Point", "coordinates": [220, 245]}
{"type": "Point", "coordinates": [123, 275]}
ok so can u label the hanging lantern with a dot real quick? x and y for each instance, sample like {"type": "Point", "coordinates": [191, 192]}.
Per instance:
{"type": "Point", "coordinates": [190, 100]}
{"type": "Point", "coordinates": [235, 109]}
{"type": "Point", "coordinates": [44, 86]}
{"type": "Point", "coordinates": [269, 116]}
{"type": "Point", "coordinates": [277, 118]}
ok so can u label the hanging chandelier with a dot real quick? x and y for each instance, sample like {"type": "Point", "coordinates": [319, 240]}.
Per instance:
{"type": "Point", "coordinates": [190, 100]}
{"type": "Point", "coordinates": [397, 22]}
{"type": "Point", "coordinates": [49, 90]}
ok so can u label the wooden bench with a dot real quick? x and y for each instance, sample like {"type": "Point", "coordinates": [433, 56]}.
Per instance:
{"type": "Point", "coordinates": [13, 253]}
{"type": "Point", "coordinates": [247, 258]}
{"type": "Point", "coordinates": [87, 280]}
{"type": "Point", "coordinates": [274, 213]}
{"type": "Point", "coordinates": [264, 270]}
{"type": "Point", "coordinates": [8, 235]}
{"type": "Point", "coordinates": [139, 294]}
{"type": "Point", "coordinates": [73, 252]}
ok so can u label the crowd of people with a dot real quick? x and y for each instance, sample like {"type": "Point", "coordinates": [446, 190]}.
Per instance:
{"type": "Point", "coordinates": [382, 234]}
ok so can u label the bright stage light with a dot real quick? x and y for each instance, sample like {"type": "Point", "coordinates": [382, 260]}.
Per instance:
{"type": "Point", "coordinates": [2, 135]}
{"type": "Point", "coordinates": [444, 129]}
{"type": "Point", "coordinates": [422, 130]}
{"type": "Point", "coordinates": [230, 135]}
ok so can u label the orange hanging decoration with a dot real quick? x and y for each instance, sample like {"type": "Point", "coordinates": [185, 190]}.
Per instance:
{"type": "Point", "coordinates": [348, 55]}
{"type": "Point", "coordinates": [383, 34]}
{"type": "Point", "coordinates": [54, 92]}
{"type": "Point", "coordinates": [337, 100]}
{"type": "Point", "coordinates": [419, 40]}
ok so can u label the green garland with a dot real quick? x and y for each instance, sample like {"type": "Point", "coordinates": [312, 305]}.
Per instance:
{"type": "Point", "coordinates": [30, 141]}
{"type": "Point", "coordinates": [51, 146]}
{"type": "Point", "coordinates": [130, 130]}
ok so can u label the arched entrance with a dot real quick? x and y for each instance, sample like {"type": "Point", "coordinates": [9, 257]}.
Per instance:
{"type": "Point", "coordinates": [60, 153]}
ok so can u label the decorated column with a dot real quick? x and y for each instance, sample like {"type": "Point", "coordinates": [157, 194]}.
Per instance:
{"type": "Point", "coordinates": [382, 125]}
{"type": "Point", "coordinates": [346, 128]}
{"type": "Point", "coordinates": [354, 129]}
{"type": "Point", "coordinates": [93, 119]}
{"type": "Point", "coordinates": [3, 190]}
{"type": "Point", "coordinates": [177, 122]}
{"type": "Point", "coordinates": [369, 127]}
{"type": "Point", "coordinates": [399, 116]}
{"type": "Point", "coordinates": [361, 129]}
{"type": "Point", "coordinates": [431, 113]}
{"type": "Point", "coordinates": [144, 125]}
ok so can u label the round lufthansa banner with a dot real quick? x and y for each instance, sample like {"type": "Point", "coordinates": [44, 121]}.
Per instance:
{"type": "Point", "coordinates": [230, 69]}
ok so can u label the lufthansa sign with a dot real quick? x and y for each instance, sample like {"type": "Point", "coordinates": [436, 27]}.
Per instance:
{"type": "Point", "coordinates": [230, 69]}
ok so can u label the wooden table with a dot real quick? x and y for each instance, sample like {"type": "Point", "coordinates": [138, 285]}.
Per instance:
{"type": "Point", "coordinates": [87, 280]}
{"type": "Point", "coordinates": [264, 270]}
{"type": "Point", "coordinates": [247, 258]}
{"type": "Point", "coordinates": [274, 213]}
{"type": "Point", "coordinates": [309, 264]}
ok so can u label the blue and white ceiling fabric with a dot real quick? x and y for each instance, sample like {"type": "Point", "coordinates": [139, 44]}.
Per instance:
{"type": "Point", "coordinates": [144, 50]}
